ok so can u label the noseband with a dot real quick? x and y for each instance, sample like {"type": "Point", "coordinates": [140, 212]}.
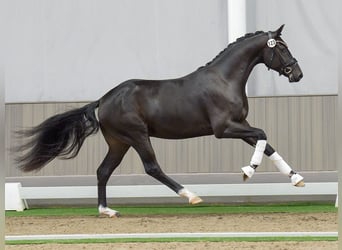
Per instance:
{"type": "Point", "coordinates": [286, 66]}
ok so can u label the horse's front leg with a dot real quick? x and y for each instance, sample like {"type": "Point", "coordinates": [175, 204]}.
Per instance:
{"type": "Point", "coordinates": [242, 130]}
{"type": "Point", "coordinates": [248, 171]}
{"type": "Point", "coordinates": [257, 138]}
{"type": "Point", "coordinates": [296, 179]}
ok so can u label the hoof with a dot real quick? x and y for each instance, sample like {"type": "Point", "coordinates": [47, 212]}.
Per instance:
{"type": "Point", "coordinates": [110, 214]}
{"type": "Point", "coordinates": [195, 200]}
{"type": "Point", "coordinates": [106, 211]}
{"type": "Point", "coordinates": [248, 172]}
{"type": "Point", "coordinates": [297, 180]}
{"type": "Point", "coordinates": [300, 184]}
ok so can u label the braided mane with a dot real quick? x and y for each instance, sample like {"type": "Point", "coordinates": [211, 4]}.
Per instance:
{"type": "Point", "coordinates": [238, 40]}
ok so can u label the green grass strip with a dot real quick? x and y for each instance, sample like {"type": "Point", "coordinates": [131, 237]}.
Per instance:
{"type": "Point", "coordinates": [162, 240]}
{"type": "Point", "coordinates": [181, 210]}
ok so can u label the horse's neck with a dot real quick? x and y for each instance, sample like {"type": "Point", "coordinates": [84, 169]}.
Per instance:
{"type": "Point", "coordinates": [236, 65]}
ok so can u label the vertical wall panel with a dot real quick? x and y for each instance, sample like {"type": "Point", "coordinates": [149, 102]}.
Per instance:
{"type": "Point", "coordinates": [294, 134]}
{"type": "Point", "coordinates": [317, 131]}
{"type": "Point", "coordinates": [301, 129]}
{"type": "Point", "coordinates": [329, 132]}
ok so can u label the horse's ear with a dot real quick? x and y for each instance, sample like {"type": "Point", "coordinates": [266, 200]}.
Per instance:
{"type": "Point", "coordinates": [278, 31]}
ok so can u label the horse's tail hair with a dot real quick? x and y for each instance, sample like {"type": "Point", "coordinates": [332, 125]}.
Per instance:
{"type": "Point", "coordinates": [60, 136]}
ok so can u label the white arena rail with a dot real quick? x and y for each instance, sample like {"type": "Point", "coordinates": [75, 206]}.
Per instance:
{"type": "Point", "coordinates": [16, 195]}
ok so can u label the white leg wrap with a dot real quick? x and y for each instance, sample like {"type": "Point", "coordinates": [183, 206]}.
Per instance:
{"type": "Point", "coordinates": [107, 211]}
{"type": "Point", "coordinates": [259, 152]}
{"type": "Point", "coordinates": [193, 198]}
{"type": "Point", "coordinates": [282, 166]}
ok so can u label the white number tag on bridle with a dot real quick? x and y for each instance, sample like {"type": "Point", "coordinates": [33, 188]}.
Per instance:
{"type": "Point", "coordinates": [271, 43]}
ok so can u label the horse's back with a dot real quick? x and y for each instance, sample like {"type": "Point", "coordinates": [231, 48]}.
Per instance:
{"type": "Point", "coordinates": [166, 108]}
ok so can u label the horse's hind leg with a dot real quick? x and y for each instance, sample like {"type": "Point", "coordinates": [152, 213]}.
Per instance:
{"type": "Point", "coordinates": [296, 179]}
{"type": "Point", "coordinates": [109, 164]}
{"type": "Point", "coordinates": [152, 168]}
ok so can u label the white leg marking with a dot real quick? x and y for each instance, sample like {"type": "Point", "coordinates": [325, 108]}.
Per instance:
{"type": "Point", "coordinates": [193, 198]}
{"type": "Point", "coordinates": [107, 211]}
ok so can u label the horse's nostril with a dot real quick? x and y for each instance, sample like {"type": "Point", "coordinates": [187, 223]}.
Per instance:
{"type": "Point", "coordinates": [300, 76]}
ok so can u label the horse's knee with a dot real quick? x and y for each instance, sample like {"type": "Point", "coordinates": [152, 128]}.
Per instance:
{"type": "Point", "coordinates": [261, 135]}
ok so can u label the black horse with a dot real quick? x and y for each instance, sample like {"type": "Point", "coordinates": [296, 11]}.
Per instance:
{"type": "Point", "coordinates": [208, 101]}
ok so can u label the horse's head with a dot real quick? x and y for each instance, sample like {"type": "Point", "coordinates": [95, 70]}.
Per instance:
{"type": "Point", "coordinates": [276, 56]}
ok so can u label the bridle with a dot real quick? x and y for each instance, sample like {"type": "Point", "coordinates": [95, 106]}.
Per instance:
{"type": "Point", "coordinates": [286, 67]}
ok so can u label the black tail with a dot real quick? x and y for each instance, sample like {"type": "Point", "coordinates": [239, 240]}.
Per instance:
{"type": "Point", "coordinates": [59, 136]}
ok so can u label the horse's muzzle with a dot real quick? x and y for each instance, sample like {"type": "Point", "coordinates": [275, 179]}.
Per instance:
{"type": "Point", "coordinates": [296, 73]}
{"type": "Point", "coordinates": [297, 78]}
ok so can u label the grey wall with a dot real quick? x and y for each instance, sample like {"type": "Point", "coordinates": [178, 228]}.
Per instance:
{"type": "Point", "coordinates": [88, 47]}
{"type": "Point", "coordinates": [302, 129]}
